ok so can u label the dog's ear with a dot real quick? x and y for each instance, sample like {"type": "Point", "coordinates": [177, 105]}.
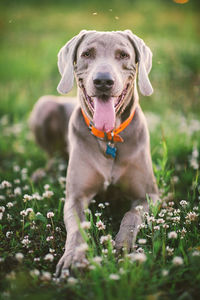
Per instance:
{"type": "Point", "coordinates": [144, 59]}
{"type": "Point", "coordinates": [66, 57]}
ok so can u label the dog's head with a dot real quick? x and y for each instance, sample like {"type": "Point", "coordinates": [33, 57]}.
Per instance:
{"type": "Point", "coordinates": [105, 66]}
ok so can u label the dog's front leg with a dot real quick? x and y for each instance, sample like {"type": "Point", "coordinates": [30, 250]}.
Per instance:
{"type": "Point", "coordinates": [73, 216]}
{"type": "Point", "coordinates": [129, 226]}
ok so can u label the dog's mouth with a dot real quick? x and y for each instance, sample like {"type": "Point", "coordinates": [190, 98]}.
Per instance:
{"type": "Point", "coordinates": [104, 108]}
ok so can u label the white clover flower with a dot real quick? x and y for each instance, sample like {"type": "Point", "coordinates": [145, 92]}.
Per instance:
{"type": "Point", "coordinates": [18, 191]}
{"type": "Point", "coordinates": [140, 257]}
{"type": "Point", "coordinates": [165, 226]}
{"type": "Point", "coordinates": [107, 203]}
{"type": "Point", "coordinates": [97, 260]}
{"type": "Point", "coordinates": [165, 272]}
{"type": "Point", "coordinates": [160, 221]}
{"type": "Point", "coordinates": [85, 225]}
{"type": "Point", "coordinates": [9, 217]}
{"type": "Point", "coordinates": [29, 210]}
{"type": "Point", "coordinates": [170, 251]}
{"type": "Point", "coordinates": [183, 203]}
{"type": "Point", "coordinates": [191, 217]}
{"type": "Point", "coordinates": [50, 214]}
{"type": "Point", "coordinates": [46, 187]}
{"type": "Point", "coordinates": [196, 253]}
{"type": "Point", "coordinates": [105, 238]}
{"type": "Point", "coordinates": [34, 273]}
{"type": "Point", "coordinates": [27, 198]}
{"type": "Point", "coordinates": [2, 209]}
{"type": "Point", "coordinates": [1, 216]}
{"type": "Point", "coordinates": [46, 276]}
{"type": "Point", "coordinates": [142, 241]}
{"type": "Point", "coordinates": [19, 256]}
{"type": "Point", "coordinates": [98, 214]}
{"type": "Point", "coordinates": [23, 213]}
{"type": "Point", "coordinates": [72, 280]}
{"type": "Point", "coordinates": [140, 250]}
{"type": "Point", "coordinates": [114, 276]}
{"type": "Point", "coordinates": [101, 205]}
{"type": "Point", "coordinates": [9, 233]}
{"type": "Point", "coordinates": [100, 225]}
{"type": "Point", "coordinates": [58, 229]}
{"type": "Point", "coordinates": [5, 184]}
{"type": "Point", "coordinates": [36, 259]}
{"type": "Point", "coordinates": [172, 235]}
{"type": "Point", "coordinates": [36, 196]}
{"type": "Point", "coordinates": [49, 257]}
{"type": "Point", "coordinates": [47, 194]}
{"type": "Point", "coordinates": [81, 248]}
{"type": "Point", "coordinates": [25, 241]}
{"type": "Point", "coordinates": [177, 261]}
{"type": "Point", "coordinates": [156, 227]}
{"type": "Point", "coordinates": [49, 238]}
{"type": "Point", "coordinates": [104, 251]}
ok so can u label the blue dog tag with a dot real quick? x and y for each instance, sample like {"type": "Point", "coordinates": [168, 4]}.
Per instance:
{"type": "Point", "coordinates": [111, 150]}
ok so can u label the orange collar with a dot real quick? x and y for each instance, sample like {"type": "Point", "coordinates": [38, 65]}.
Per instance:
{"type": "Point", "coordinates": [113, 135]}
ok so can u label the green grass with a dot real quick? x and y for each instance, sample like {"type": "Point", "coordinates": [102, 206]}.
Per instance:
{"type": "Point", "coordinates": [31, 36]}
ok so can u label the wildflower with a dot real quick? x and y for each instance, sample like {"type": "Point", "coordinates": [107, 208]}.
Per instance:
{"type": "Point", "coordinates": [58, 229]}
{"type": "Point", "coordinates": [47, 194]}
{"type": "Point", "coordinates": [27, 198]}
{"type": "Point", "coordinates": [101, 205]}
{"type": "Point", "coordinates": [93, 201]}
{"type": "Point", "coordinates": [142, 241]}
{"type": "Point", "coordinates": [72, 280]}
{"type": "Point", "coordinates": [140, 250]}
{"type": "Point", "coordinates": [49, 238]}
{"type": "Point", "coordinates": [104, 251]}
{"type": "Point", "coordinates": [165, 272]}
{"type": "Point", "coordinates": [165, 226]}
{"type": "Point", "coordinates": [29, 210]}
{"type": "Point", "coordinates": [172, 235]}
{"type": "Point", "coordinates": [36, 259]}
{"type": "Point", "coordinates": [114, 276]}
{"type": "Point", "coordinates": [50, 214]}
{"type": "Point", "coordinates": [1, 216]}
{"type": "Point", "coordinates": [156, 227]}
{"type": "Point", "coordinates": [140, 257]}
{"type": "Point", "coordinates": [49, 257]}
{"type": "Point", "coordinates": [34, 273]}
{"type": "Point", "coordinates": [170, 251]}
{"type": "Point", "coordinates": [17, 191]}
{"type": "Point", "coordinates": [141, 226]}
{"type": "Point", "coordinates": [26, 241]}
{"type": "Point", "coordinates": [97, 214]}
{"type": "Point", "coordinates": [48, 226]}
{"type": "Point", "coordinates": [9, 233]}
{"type": "Point", "coordinates": [9, 217]}
{"type": "Point", "coordinates": [160, 221]}
{"type": "Point", "coordinates": [195, 208]}
{"type": "Point", "coordinates": [2, 209]}
{"type": "Point", "coordinates": [191, 217]}
{"type": "Point", "coordinates": [97, 259]}
{"type": "Point", "coordinates": [81, 248]}
{"type": "Point", "coordinates": [183, 203]}
{"type": "Point", "coordinates": [107, 203]}
{"type": "Point", "coordinates": [46, 276]}
{"type": "Point", "coordinates": [196, 253]}
{"type": "Point", "coordinates": [85, 225]}
{"type": "Point", "coordinates": [121, 270]}
{"type": "Point", "coordinates": [5, 184]}
{"type": "Point", "coordinates": [46, 187]}
{"type": "Point", "coordinates": [100, 225]}
{"type": "Point", "coordinates": [105, 238]}
{"type": "Point", "coordinates": [62, 181]}
{"type": "Point", "coordinates": [177, 261]}
{"type": "Point", "coordinates": [16, 168]}
{"type": "Point", "coordinates": [19, 256]}
{"type": "Point", "coordinates": [23, 213]}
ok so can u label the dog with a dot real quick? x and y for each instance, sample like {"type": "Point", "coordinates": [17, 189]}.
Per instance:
{"type": "Point", "coordinates": [103, 130]}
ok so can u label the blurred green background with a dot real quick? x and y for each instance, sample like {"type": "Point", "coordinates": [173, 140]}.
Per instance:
{"type": "Point", "coordinates": [32, 32]}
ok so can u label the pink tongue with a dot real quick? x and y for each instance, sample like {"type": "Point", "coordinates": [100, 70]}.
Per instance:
{"type": "Point", "coordinates": [104, 114]}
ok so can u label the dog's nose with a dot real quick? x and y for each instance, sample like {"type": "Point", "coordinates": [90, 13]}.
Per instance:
{"type": "Point", "coordinates": [103, 81]}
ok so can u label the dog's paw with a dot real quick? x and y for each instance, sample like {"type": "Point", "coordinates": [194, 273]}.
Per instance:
{"type": "Point", "coordinates": [62, 268]}
{"type": "Point", "coordinates": [125, 239]}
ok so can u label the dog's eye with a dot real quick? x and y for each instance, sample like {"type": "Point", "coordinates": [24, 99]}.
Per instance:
{"type": "Point", "coordinates": [123, 55]}
{"type": "Point", "coordinates": [86, 54]}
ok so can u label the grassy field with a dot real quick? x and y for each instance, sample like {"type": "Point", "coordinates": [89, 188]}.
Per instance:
{"type": "Point", "coordinates": [166, 261]}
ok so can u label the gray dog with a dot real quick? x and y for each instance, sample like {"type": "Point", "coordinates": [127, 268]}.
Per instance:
{"type": "Point", "coordinates": [104, 132]}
